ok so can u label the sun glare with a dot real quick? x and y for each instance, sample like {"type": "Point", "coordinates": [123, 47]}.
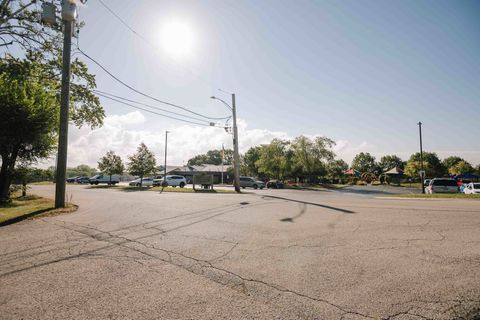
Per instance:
{"type": "Point", "coordinates": [177, 38]}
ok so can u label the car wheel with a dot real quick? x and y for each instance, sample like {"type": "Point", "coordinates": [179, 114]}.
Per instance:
{"type": "Point", "coordinates": [182, 184]}
{"type": "Point", "coordinates": [243, 187]}
{"type": "Point", "coordinates": [96, 182]}
{"type": "Point", "coordinates": [261, 188]}
{"type": "Point", "coordinates": [255, 186]}
{"type": "Point", "coordinates": [138, 185]}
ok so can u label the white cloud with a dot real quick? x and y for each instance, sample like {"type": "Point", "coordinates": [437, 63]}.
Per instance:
{"type": "Point", "coordinates": [123, 134]}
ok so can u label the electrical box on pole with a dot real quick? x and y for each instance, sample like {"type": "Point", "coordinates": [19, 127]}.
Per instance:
{"type": "Point", "coordinates": [48, 14]}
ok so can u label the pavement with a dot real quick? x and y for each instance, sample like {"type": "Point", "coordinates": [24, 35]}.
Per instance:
{"type": "Point", "coordinates": [268, 254]}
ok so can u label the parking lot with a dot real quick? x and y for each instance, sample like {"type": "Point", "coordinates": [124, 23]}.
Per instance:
{"type": "Point", "coordinates": [266, 254]}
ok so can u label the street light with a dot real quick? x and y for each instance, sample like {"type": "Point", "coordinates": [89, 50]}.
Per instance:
{"type": "Point", "coordinates": [164, 184]}
{"type": "Point", "coordinates": [236, 158]}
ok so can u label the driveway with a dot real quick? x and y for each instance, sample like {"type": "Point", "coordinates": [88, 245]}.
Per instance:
{"type": "Point", "coordinates": [269, 254]}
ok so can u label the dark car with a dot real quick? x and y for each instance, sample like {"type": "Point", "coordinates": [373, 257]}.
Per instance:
{"type": "Point", "coordinates": [72, 179]}
{"type": "Point", "coordinates": [82, 180]}
{"type": "Point", "coordinates": [275, 184]}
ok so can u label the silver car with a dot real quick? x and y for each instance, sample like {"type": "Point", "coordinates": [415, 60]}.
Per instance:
{"type": "Point", "coordinates": [251, 183]}
{"type": "Point", "coordinates": [442, 185]}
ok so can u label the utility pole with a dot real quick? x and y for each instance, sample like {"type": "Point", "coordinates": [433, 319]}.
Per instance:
{"type": "Point", "coordinates": [422, 172]}
{"type": "Point", "coordinates": [165, 164]}
{"type": "Point", "coordinates": [236, 158]}
{"type": "Point", "coordinates": [60, 185]}
{"type": "Point", "coordinates": [223, 156]}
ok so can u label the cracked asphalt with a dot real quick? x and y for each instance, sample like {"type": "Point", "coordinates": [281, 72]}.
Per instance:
{"type": "Point", "coordinates": [269, 254]}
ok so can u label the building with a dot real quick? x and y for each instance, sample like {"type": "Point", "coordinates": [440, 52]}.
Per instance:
{"type": "Point", "coordinates": [189, 171]}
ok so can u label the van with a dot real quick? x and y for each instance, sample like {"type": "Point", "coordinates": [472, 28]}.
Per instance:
{"type": "Point", "coordinates": [442, 185]}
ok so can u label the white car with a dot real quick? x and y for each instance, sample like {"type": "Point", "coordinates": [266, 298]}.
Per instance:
{"type": "Point", "coordinates": [472, 188]}
{"type": "Point", "coordinates": [174, 181]}
{"type": "Point", "coordinates": [99, 178]}
{"type": "Point", "coordinates": [442, 185]}
{"type": "Point", "coordinates": [145, 182]}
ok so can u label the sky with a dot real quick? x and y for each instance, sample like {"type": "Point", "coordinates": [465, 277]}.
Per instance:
{"type": "Point", "coordinates": [362, 73]}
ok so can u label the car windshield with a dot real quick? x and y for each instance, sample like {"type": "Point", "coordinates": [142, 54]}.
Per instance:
{"type": "Point", "coordinates": [445, 183]}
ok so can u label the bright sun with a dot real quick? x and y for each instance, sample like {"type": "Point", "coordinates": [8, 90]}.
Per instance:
{"type": "Point", "coordinates": [177, 38]}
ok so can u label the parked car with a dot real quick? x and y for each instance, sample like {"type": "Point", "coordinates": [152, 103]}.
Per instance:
{"type": "Point", "coordinates": [251, 183]}
{"type": "Point", "coordinates": [72, 179]}
{"type": "Point", "coordinates": [82, 180]}
{"type": "Point", "coordinates": [442, 185]}
{"type": "Point", "coordinates": [472, 188]}
{"type": "Point", "coordinates": [172, 181]}
{"type": "Point", "coordinates": [104, 179]}
{"type": "Point", "coordinates": [145, 182]}
{"type": "Point", "coordinates": [275, 184]}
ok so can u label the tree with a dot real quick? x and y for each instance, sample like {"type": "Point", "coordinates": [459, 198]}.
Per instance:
{"type": "Point", "coordinates": [248, 162]}
{"type": "Point", "coordinates": [310, 156]}
{"type": "Point", "coordinates": [28, 124]}
{"type": "Point", "coordinates": [81, 170]}
{"type": "Point", "coordinates": [477, 169]}
{"type": "Point", "coordinates": [364, 162]}
{"type": "Point", "coordinates": [141, 163]}
{"type": "Point", "coordinates": [274, 160]}
{"type": "Point", "coordinates": [21, 80]}
{"type": "Point", "coordinates": [390, 161]}
{"type": "Point", "coordinates": [336, 169]}
{"type": "Point", "coordinates": [111, 164]}
{"type": "Point", "coordinates": [212, 157]}
{"type": "Point", "coordinates": [431, 164]}
{"type": "Point", "coordinates": [451, 161]}
{"type": "Point", "coordinates": [460, 168]}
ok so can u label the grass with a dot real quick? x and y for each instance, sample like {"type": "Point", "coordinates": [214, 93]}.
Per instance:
{"type": "Point", "coordinates": [41, 183]}
{"type": "Point", "coordinates": [313, 186]}
{"type": "Point", "coordinates": [167, 189]}
{"type": "Point", "coordinates": [21, 208]}
{"type": "Point", "coordinates": [440, 196]}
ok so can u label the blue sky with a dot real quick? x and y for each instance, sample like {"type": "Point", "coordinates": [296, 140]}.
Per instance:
{"type": "Point", "coordinates": [360, 72]}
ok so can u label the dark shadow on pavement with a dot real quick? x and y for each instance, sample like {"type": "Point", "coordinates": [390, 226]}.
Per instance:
{"type": "Point", "coordinates": [303, 209]}
{"type": "Point", "coordinates": [373, 190]}
{"type": "Point", "coordinates": [311, 203]}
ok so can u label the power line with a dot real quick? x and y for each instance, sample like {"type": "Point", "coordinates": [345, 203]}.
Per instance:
{"type": "Point", "coordinates": [147, 105]}
{"type": "Point", "coordinates": [146, 110]}
{"type": "Point", "coordinates": [144, 94]}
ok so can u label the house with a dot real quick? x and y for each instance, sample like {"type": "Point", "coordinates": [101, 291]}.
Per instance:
{"type": "Point", "coordinates": [189, 171]}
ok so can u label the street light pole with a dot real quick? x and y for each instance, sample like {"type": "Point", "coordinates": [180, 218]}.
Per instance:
{"type": "Point", "coordinates": [422, 174]}
{"type": "Point", "coordinates": [63, 129]}
{"type": "Point", "coordinates": [165, 164]}
{"type": "Point", "coordinates": [236, 157]}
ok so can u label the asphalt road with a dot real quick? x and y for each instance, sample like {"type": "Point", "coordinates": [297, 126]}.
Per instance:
{"type": "Point", "coordinates": [270, 254]}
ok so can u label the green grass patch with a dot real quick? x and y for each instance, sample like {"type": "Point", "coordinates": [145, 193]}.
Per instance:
{"type": "Point", "coordinates": [41, 183]}
{"type": "Point", "coordinates": [167, 189]}
{"type": "Point", "coordinates": [315, 186]}
{"type": "Point", "coordinates": [21, 208]}
{"type": "Point", "coordinates": [440, 196]}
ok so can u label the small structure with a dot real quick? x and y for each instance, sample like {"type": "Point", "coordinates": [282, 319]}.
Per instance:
{"type": "Point", "coordinates": [393, 175]}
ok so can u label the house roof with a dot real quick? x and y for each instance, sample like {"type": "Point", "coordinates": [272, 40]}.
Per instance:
{"type": "Point", "coordinates": [197, 168]}
{"type": "Point", "coordinates": [395, 170]}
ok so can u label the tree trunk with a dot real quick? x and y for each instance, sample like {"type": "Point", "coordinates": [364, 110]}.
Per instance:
{"type": "Point", "coordinates": [141, 181]}
{"type": "Point", "coordinates": [110, 183]}
{"type": "Point", "coordinates": [6, 174]}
